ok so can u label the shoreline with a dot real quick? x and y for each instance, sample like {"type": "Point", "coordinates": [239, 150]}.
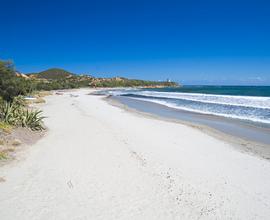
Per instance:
{"type": "Point", "coordinates": [244, 145]}
{"type": "Point", "coordinates": [100, 161]}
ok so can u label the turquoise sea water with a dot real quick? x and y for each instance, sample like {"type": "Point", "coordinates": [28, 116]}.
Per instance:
{"type": "Point", "coordinates": [222, 90]}
{"type": "Point", "coordinates": [247, 103]}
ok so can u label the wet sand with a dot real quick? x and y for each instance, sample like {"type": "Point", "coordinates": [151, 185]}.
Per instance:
{"type": "Point", "coordinates": [256, 138]}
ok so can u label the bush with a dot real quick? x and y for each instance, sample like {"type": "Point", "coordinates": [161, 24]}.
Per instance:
{"type": "Point", "coordinates": [32, 119]}
{"type": "Point", "coordinates": [11, 85]}
{"type": "Point", "coordinates": [16, 114]}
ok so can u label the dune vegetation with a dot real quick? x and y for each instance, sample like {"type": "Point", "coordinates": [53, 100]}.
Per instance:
{"type": "Point", "coordinates": [14, 86]}
{"type": "Point", "coordinates": [14, 111]}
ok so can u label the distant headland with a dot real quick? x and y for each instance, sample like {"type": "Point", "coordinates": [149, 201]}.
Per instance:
{"type": "Point", "coordinates": [56, 78]}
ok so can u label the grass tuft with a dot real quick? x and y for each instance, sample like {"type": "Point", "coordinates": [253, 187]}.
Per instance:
{"type": "Point", "coordinates": [5, 127]}
{"type": "Point", "coordinates": [3, 155]}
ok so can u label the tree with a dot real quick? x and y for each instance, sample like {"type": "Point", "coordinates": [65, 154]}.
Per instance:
{"type": "Point", "coordinates": [10, 84]}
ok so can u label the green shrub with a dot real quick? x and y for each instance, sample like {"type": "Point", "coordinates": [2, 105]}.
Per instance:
{"type": "Point", "coordinates": [10, 84]}
{"type": "Point", "coordinates": [19, 101]}
{"type": "Point", "coordinates": [32, 119]}
{"type": "Point", "coordinates": [16, 114]}
{"type": "Point", "coordinates": [9, 113]}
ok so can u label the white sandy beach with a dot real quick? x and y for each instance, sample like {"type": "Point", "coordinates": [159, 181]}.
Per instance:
{"type": "Point", "coordinates": [98, 161]}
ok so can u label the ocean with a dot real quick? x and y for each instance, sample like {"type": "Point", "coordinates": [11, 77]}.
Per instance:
{"type": "Point", "coordinates": [247, 103]}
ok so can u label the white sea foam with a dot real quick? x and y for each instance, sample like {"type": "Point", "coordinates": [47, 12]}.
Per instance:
{"type": "Point", "coordinates": [256, 109]}
{"type": "Point", "coordinates": [245, 101]}
{"type": "Point", "coordinates": [252, 118]}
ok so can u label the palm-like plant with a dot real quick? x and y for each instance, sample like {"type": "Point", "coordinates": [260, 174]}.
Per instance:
{"type": "Point", "coordinates": [32, 119]}
{"type": "Point", "coordinates": [9, 113]}
{"type": "Point", "coordinates": [18, 115]}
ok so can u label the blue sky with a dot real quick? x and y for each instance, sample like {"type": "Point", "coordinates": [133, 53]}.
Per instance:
{"type": "Point", "coordinates": [193, 42]}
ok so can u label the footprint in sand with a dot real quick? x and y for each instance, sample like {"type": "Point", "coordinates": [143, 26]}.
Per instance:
{"type": "Point", "coordinates": [70, 185]}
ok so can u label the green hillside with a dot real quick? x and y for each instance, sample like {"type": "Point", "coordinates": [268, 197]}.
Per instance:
{"type": "Point", "coordinates": [53, 74]}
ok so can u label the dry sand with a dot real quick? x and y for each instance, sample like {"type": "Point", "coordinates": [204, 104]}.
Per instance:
{"type": "Point", "coordinates": [98, 161]}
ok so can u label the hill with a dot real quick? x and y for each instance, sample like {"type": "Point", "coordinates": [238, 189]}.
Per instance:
{"type": "Point", "coordinates": [59, 78]}
{"type": "Point", "coordinates": [52, 74]}
{"type": "Point", "coordinates": [14, 83]}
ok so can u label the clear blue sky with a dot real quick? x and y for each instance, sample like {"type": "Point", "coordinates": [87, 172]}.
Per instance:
{"type": "Point", "coordinates": [193, 42]}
